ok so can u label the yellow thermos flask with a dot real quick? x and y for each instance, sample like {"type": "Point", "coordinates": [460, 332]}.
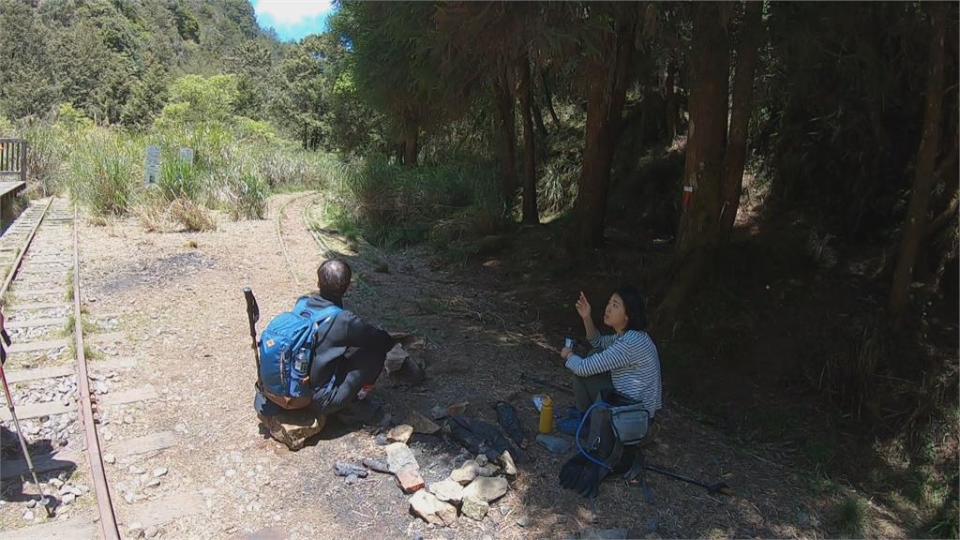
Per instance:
{"type": "Point", "coordinates": [546, 416]}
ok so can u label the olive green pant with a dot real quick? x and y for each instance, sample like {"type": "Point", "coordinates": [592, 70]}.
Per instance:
{"type": "Point", "coordinates": [585, 389]}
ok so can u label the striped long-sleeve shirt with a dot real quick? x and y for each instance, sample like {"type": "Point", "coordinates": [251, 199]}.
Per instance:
{"type": "Point", "coordinates": [633, 363]}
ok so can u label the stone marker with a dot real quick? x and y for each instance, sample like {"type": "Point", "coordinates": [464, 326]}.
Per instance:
{"type": "Point", "coordinates": [465, 474]}
{"type": "Point", "coordinates": [474, 508]}
{"type": "Point", "coordinates": [486, 489]}
{"type": "Point", "coordinates": [509, 467]}
{"type": "Point", "coordinates": [457, 409]}
{"type": "Point", "coordinates": [401, 433]}
{"type": "Point", "coordinates": [488, 470]}
{"type": "Point", "coordinates": [422, 424]}
{"type": "Point", "coordinates": [400, 456]}
{"type": "Point", "coordinates": [447, 491]}
{"type": "Point", "coordinates": [409, 479]}
{"type": "Point", "coordinates": [433, 510]}
{"type": "Point", "coordinates": [293, 428]}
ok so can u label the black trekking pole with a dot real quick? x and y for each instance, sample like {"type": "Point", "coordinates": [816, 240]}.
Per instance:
{"type": "Point", "coordinates": [718, 488]}
{"type": "Point", "coordinates": [16, 421]}
{"type": "Point", "coordinates": [253, 315]}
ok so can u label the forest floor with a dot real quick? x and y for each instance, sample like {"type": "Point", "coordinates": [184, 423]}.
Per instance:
{"type": "Point", "coordinates": [178, 300]}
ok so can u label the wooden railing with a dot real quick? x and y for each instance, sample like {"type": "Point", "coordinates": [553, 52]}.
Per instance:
{"type": "Point", "coordinates": [13, 158]}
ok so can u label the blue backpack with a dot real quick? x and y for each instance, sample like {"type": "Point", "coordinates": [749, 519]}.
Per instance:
{"type": "Point", "coordinates": [287, 347]}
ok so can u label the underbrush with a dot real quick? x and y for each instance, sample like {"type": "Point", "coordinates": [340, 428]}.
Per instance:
{"type": "Point", "coordinates": [395, 206]}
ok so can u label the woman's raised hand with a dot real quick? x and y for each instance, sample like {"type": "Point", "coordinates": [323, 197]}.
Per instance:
{"type": "Point", "coordinates": [583, 306]}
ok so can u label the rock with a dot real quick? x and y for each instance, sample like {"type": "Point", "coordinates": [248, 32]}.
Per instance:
{"type": "Point", "coordinates": [293, 428]}
{"type": "Point", "coordinates": [65, 489]}
{"type": "Point", "coordinates": [395, 358]}
{"type": "Point", "coordinates": [154, 482]}
{"type": "Point", "coordinates": [28, 515]}
{"type": "Point", "coordinates": [438, 412]}
{"type": "Point", "coordinates": [401, 433]}
{"type": "Point", "coordinates": [458, 409]}
{"type": "Point", "coordinates": [159, 471]}
{"type": "Point", "coordinates": [447, 491]}
{"type": "Point", "coordinates": [151, 531]}
{"type": "Point", "coordinates": [133, 469]}
{"type": "Point", "coordinates": [488, 470]}
{"type": "Point", "coordinates": [31, 503]}
{"type": "Point", "coordinates": [486, 489]}
{"type": "Point", "coordinates": [399, 456]}
{"type": "Point", "coordinates": [109, 458]}
{"type": "Point", "coordinates": [465, 474]}
{"type": "Point", "coordinates": [129, 497]}
{"type": "Point", "coordinates": [128, 419]}
{"type": "Point", "coordinates": [432, 510]}
{"type": "Point", "coordinates": [352, 479]}
{"type": "Point", "coordinates": [135, 530]}
{"type": "Point", "coordinates": [553, 443]}
{"type": "Point", "coordinates": [68, 499]}
{"type": "Point", "coordinates": [586, 515]}
{"type": "Point", "coordinates": [482, 459]}
{"type": "Point", "coordinates": [409, 479]}
{"type": "Point", "coordinates": [422, 424]}
{"type": "Point", "coordinates": [523, 520]}
{"type": "Point", "coordinates": [509, 467]}
{"type": "Point", "coordinates": [474, 508]}
{"type": "Point", "coordinates": [347, 469]}
{"type": "Point", "coordinates": [376, 465]}
{"type": "Point", "coordinates": [55, 482]}
{"type": "Point", "coordinates": [381, 440]}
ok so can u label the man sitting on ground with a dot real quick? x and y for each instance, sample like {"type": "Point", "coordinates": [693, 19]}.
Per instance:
{"type": "Point", "coordinates": [349, 358]}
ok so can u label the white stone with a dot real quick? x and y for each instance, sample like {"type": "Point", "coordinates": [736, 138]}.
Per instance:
{"type": "Point", "coordinates": [486, 489]}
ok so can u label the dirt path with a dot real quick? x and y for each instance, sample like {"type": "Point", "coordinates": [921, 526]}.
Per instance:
{"type": "Point", "coordinates": [178, 300]}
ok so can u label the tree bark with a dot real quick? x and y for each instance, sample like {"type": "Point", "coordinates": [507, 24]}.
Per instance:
{"type": "Point", "coordinates": [609, 77]}
{"type": "Point", "coordinates": [548, 97]}
{"type": "Point", "coordinates": [670, 97]}
{"type": "Point", "coordinates": [703, 167]}
{"type": "Point", "coordinates": [506, 144]}
{"type": "Point", "coordinates": [916, 220]}
{"type": "Point", "coordinates": [736, 153]}
{"type": "Point", "coordinates": [530, 215]}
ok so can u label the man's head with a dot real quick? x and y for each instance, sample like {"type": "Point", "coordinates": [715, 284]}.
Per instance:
{"type": "Point", "coordinates": [333, 278]}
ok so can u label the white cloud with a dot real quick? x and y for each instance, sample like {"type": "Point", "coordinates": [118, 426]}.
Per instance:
{"type": "Point", "coordinates": [292, 12]}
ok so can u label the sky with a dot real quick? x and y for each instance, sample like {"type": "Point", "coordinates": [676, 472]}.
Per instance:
{"type": "Point", "coordinates": [293, 19]}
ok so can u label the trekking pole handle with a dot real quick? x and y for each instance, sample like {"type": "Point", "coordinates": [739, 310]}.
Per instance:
{"type": "Point", "coordinates": [253, 315]}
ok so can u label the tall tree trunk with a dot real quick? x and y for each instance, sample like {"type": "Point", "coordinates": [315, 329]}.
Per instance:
{"type": "Point", "coordinates": [530, 215]}
{"type": "Point", "coordinates": [916, 220]}
{"type": "Point", "coordinates": [670, 97]}
{"type": "Point", "coordinates": [410, 145]}
{"type": "Point", "coordinates": [609, 78]}
{"type": "Point", "coordinates": [548, 98]}
{"type": "Point", "coordinates": [736, 155]}
{"type": "Point", "coordinates": [703, 167]}
{"type": "Point", "coordinates": [506, 141]}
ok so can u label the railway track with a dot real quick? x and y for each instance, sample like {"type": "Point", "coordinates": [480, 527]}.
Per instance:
{"type": "Point", "coordinates": [65, 399]}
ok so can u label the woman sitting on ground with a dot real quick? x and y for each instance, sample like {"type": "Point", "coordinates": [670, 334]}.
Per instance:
{"type": "Point", "coordinates": [626, 362]}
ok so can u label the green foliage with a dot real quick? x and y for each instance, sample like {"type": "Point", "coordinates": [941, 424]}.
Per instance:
{"type": "Point", "coordinates": [102, 167]}
{"type": "Point", "coordinates": [195, 99]}
{"type": "Point", "coordinates": [850, 517]}
{"type": "Point", "coordinates": [391, 204]}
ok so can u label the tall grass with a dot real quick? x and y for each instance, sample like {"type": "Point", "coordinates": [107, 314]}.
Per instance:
{"type": "Point", "coordinates": [236, 165]}
{"type": "Point", "coordinates": [102, 166]}
{"type": "Point", "coordinates": [394, 205]}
